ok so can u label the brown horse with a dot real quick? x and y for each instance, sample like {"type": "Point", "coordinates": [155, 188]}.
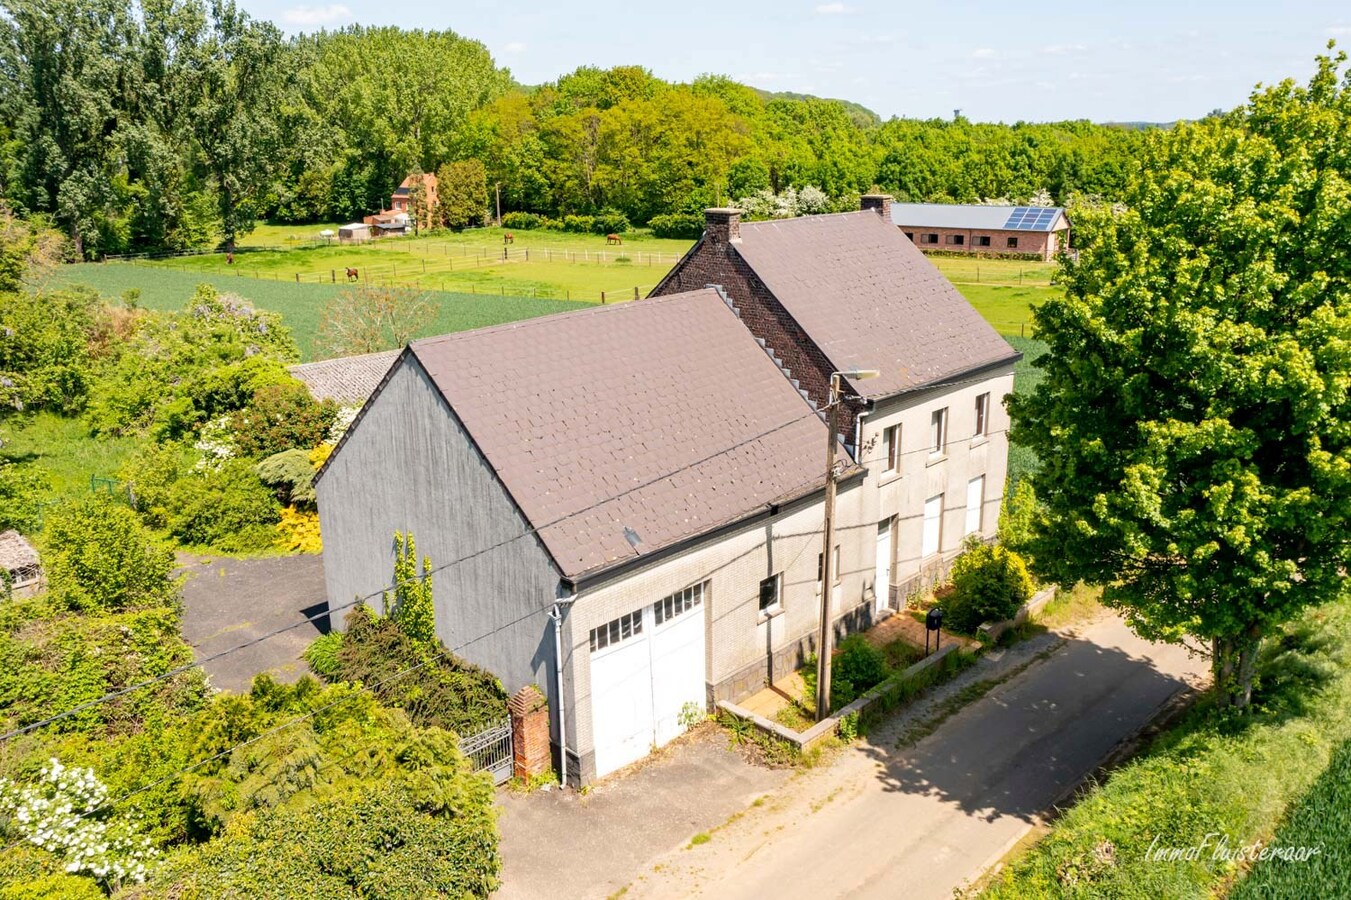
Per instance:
{"type": "Point", "coordinates": [508, 238]}
{"type": "Point", "coordinates": [613, 239]}
{"type": "Point", "coordinates": [353, 274]}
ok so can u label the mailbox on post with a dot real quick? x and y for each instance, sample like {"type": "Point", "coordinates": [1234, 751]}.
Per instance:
{"type": "Point", "coordinates": [933, 621]}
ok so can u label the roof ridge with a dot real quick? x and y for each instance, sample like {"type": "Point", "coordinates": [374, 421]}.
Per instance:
{"type": "Point", "coordinates": [594, 309]}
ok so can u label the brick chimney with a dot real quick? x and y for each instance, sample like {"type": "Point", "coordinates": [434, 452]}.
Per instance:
{"type": "Point", "coordinates": [722, 225]}
{"type": "Point", "coordinates": [879, 203]}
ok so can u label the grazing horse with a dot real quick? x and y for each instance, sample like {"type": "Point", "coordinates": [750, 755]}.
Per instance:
{"type": "Point", "coordinates": [508, 238]}
{"type": "Point", "coordinates": [613, 239]}
{"type": "Point", "coordinates": [352, 274]}
{"type": "Point", "coordinates": [229, 258]}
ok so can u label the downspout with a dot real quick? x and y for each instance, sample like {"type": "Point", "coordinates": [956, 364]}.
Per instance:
{"type": "Point", "coordinates": [556, 614]}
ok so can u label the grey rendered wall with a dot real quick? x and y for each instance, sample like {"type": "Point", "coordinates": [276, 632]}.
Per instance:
{"type": "Point", "coordinates": [408, 465]}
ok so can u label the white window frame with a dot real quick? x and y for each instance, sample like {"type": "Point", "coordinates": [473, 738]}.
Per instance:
{"type": "Point", "coordinates": [617, 631]}
{"type": "Point", "coordinates": [673, 606]}
{"type": "Point", "coordinates": [938, 432]}
{"type": "Point", "coordinates": [925, 551]}
{"type": "Point", "coordinates": [982, 415]}
{"type": "Point", "coordinates": [891, 447]}
{"type": "Point", "coordinates": [776, 607]}
{"type": "Point", "coordinates": [975, 513]}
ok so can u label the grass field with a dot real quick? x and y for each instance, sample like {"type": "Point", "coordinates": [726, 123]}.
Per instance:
{"type": "Point", "coordinates": [301, 305]}
{"type": "Point", "coordinates": [62, 449]}
{"type": "Point", "coordinates": [1217, 779]}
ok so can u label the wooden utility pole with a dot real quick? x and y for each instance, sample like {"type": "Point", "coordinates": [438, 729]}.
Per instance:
{"type": "Point", "coordinates": [825, 638]}
{"type": "Point", "coordinates": [498, 187]}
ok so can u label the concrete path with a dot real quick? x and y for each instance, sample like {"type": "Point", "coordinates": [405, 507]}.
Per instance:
{"type": "Point", "coordinates": [919, 822]}
{"type": "Point", "coordinates": [229, 602]}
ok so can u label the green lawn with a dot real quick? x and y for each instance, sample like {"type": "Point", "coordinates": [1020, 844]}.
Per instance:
{"type": "Point", "coordinates": [1217, 775]}
{"type": "Point", "coordinates": [63, 450]}
{"type": "Point", "coordinates": [300, 304]}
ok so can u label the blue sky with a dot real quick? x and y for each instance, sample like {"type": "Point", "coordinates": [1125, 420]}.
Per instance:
{"type": "Point", "coordinates": [996, 61]}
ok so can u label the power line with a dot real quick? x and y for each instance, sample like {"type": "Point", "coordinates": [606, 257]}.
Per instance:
{"type": "Point", "coordinates": [331, 610]}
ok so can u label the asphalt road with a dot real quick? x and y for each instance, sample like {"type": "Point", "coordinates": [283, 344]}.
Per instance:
{"type": "Point", "coordinates": [919, 822]}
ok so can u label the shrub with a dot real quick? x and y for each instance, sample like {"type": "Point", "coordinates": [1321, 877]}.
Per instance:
{"type": "Point", "coordinates": [445, 691]}
{"type": "Point", "coordinates": [989, 583]}
{"type": "Point", "coordinates": [610, 221]}
{"type": "Point", "coordinates": [688, 226]}
{"type": "Point", "coordinates": [524, 221]}
{"type": "Point", "coordinates": [228, 508]}
{"type": "Point", "coordinates": [322, 654]}
{"type": "Point", "coordinates": [282, 417]}
{"type": "Point", "coordinates": [859, 664]}
{"type": "Point", "coordinates": [410, 604]}
{"type": "Point", "coordinates": [291, 475]}
{"type": "Point", "coordinates": [53, 887]}
{"type": "Point", "coordinates": [298, 531]}
{"type": "Point", "coordinates": [20, 497]}
{"type": "Point", "coordinates": [101, 558]}
{"type": "Point", "coordinates": [150, 473]}
{"type": "Point", "coordinates": [579, 224]}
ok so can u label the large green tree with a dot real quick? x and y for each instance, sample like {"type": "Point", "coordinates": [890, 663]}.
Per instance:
{"type": "Point", "coordinates": [1194, 423]}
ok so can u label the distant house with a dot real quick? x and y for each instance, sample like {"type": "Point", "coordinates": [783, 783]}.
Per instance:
{"type": "Point", "coordinates": [398, 219]}
{"type": "Point", "coordinates": [1035, 231]}
{"type": "Point", "coordinates": [346, 380]}
{"type": "Point", "coordinates": [20, 567]}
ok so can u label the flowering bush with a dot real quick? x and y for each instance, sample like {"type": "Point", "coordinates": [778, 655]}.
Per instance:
{"type": "Point", "coordinates": [67, 813]}
{"type": "Point", "coordinates": [298, 531]}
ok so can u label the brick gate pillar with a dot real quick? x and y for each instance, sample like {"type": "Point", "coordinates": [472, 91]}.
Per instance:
{"type": "Point", "coordinates": [529, 732]}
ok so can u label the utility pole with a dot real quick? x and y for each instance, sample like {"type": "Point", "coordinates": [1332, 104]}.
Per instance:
{"type": "Point", "coordinates": [826, 635]}
{"type": "Point", "coordinates": [498, 187]}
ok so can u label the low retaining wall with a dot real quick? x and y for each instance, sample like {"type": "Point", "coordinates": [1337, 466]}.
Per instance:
{"type": "Point", "coordinates": [993, 630]}
{"type": "Point", "coordinates": [826, 727]}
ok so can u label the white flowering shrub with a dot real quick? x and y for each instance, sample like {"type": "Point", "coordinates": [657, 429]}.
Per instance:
{"type": "Point", "coordinates": [343, 421]}
{"type": "Point", "coordinates": [813, 201]}
{"type": "Point", "coordinates": [66, 813]}
{"type": "Point", "coordinates": [215, 443]}
{"type": "Point", "coordinates": [765, 204]}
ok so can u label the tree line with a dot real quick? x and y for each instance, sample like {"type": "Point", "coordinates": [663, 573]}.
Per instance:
{"type": "Point", "coordinates": [152, 125]}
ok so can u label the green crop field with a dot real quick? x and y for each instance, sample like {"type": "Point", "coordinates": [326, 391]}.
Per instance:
{"type": "Point", "coordinates": [301, 305]}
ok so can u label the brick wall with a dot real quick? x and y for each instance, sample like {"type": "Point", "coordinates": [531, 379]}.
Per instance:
{"type": "Point", "coordinates": [1037, 244]}
{"type": "Point", "coordinates": [714, 260]}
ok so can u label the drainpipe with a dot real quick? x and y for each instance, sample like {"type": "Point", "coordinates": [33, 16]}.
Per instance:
{"type": "Point", "coordinates": [556, 614]}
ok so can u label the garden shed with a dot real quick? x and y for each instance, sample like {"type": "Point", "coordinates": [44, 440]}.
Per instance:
{"type": "Point", "coordinates": [19, 563]}
{"type": "Point", "coordinates": [355, 233]}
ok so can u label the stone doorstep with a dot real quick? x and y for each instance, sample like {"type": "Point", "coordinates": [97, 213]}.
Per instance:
{"type": "Point", "coordinates": [828, 726]}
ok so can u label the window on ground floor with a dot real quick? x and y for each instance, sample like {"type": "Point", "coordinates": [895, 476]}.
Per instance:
{"type": "Point", "coordinates": [911, 236]}
{"type": "Point", "coordinates": [928, 238]}
{"type": "Point", "coordinates": [1013, 243]}
{"type": "Point", "coordinates": [957, 239]}
{"type": "Point", "coordinates": [769, 594]}
{"type": "Point", "coordinates": [975, 504]}
{"type": "Point", "coordinates": [981, 240]}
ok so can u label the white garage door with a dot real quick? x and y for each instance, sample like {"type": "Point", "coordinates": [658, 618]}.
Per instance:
{"type": "Point", "coordinates": [642, 681]}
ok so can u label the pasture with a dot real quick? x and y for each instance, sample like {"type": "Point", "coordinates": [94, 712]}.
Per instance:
{"type": "Point", "coordinates": [301, 305]}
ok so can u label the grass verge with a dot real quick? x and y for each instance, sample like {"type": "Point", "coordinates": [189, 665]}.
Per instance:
{"type": "Point", "coordinates": [1215, 774]}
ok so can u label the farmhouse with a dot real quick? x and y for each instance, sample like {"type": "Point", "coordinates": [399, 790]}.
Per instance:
{"type": "Point", "coordinates": [623, 504]}
{"type": "Point", "coordinates": [646, 473]}
{"type": "Point", "coordinates": [847, 291]}
{"type": "Point", "coordinates": [403, 206]}
{"type": "Point", "coordinates": [1033, 231]}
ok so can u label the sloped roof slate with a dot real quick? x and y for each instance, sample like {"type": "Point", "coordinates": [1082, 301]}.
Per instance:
{"type": "Point", "coordinates": [346, 380]}
{"type": "Point", "coordinates": [868, 298]}
{"type": "Point", "coordinates": [662, 416]}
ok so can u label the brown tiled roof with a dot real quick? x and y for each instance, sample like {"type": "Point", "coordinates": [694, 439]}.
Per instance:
{"type": "Point", "coordinates": [15, 552]}
{"type": "Point", "coordinates": [346, 380]}
{"type": "Point", "coordinates": [662, 416]}
{"type": "Point", "coordinates": [869, 299]}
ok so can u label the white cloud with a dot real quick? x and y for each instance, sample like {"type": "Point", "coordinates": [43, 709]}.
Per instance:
{"type": "Point", "coordinates": [1339, 31]}
{"type": "Point", "coordinates": [317, 15]}
{"type": "Point", "coordinates": [759, 76]}
{"type": "Point", "coordinates": [514, 47]}
{"type": "Point", "coordinates": [1063, 49]}
{"type": "Point", "coordinates": [983, 53]}
{"type": "Point", "coordinates": [831, 9]}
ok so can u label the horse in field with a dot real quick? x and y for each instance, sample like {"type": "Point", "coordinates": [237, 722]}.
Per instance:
{"type": "Point", "coordinates": [508, 238]}
{"type": "Point", "coordinates": [353, 274]}
{"type": "Point", "coordinates": [613, 239]}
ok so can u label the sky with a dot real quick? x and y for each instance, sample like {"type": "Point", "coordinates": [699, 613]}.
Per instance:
{"type": "Point", "coordinates": [995, 60]}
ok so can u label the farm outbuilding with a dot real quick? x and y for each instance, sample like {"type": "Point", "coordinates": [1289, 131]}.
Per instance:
{"type": "Point", "coordinates": [355, 233]}
{"type": "Point", "coordinates": [19, 565]}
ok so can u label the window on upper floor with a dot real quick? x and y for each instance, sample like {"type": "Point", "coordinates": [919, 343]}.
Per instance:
{"type": "Point", "coordinates": [891, 447]}
{"type": "Point", "coordinates": [835, 565]}
{"type": "Point", "coordinates": [938, 431]}
{"type": "Point", "coordinates": [769, 594]}
{"type": "Point", "coordinates": [982, 414]}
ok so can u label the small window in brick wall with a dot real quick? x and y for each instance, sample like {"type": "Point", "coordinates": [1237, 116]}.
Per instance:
{"type": "Point", "coordinates": [769, 594]}
{"type": "Point", "coordinates": [957, 239]}
{"type": "Point", "coordinates": [981, 240]}
{"type": "Point", "coordinates": [910, 235]}
{"type": "Point", "coordinates": [1013, 243]}
{"type": "Point", "coordinates": [928, 238]}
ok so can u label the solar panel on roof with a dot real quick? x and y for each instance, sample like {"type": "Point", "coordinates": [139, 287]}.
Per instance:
{"type": "Point", "coordinates": [1030, 218]}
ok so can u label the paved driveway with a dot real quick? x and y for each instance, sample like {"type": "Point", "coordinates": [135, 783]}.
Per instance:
{"type": "Point", "coordinates": [918, 822]}
{"type": "Point", "coordinates": [229, 602]}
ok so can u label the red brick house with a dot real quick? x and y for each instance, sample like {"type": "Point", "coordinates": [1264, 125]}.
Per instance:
{"type": "Point", "coordinates": [1035, 231]}
{"type": "Point", "coordinates": [399, 217]}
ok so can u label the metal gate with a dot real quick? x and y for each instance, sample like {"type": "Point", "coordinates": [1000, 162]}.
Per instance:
{"type": "Point", "coordinates": [490, 749]}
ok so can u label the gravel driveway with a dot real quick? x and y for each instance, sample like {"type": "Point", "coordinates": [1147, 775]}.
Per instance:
{"type": "Point", "coordinates": [229, 602]}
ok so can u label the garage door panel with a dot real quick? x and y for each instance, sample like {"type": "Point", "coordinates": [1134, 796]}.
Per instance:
{"type": "Point", "coordinates": [621, 704]}
{"type": "Point", "coordinates": [677, 672]}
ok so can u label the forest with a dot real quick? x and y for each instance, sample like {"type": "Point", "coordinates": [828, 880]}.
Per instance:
{"type": "Point", "coordinates": [167, 125]}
